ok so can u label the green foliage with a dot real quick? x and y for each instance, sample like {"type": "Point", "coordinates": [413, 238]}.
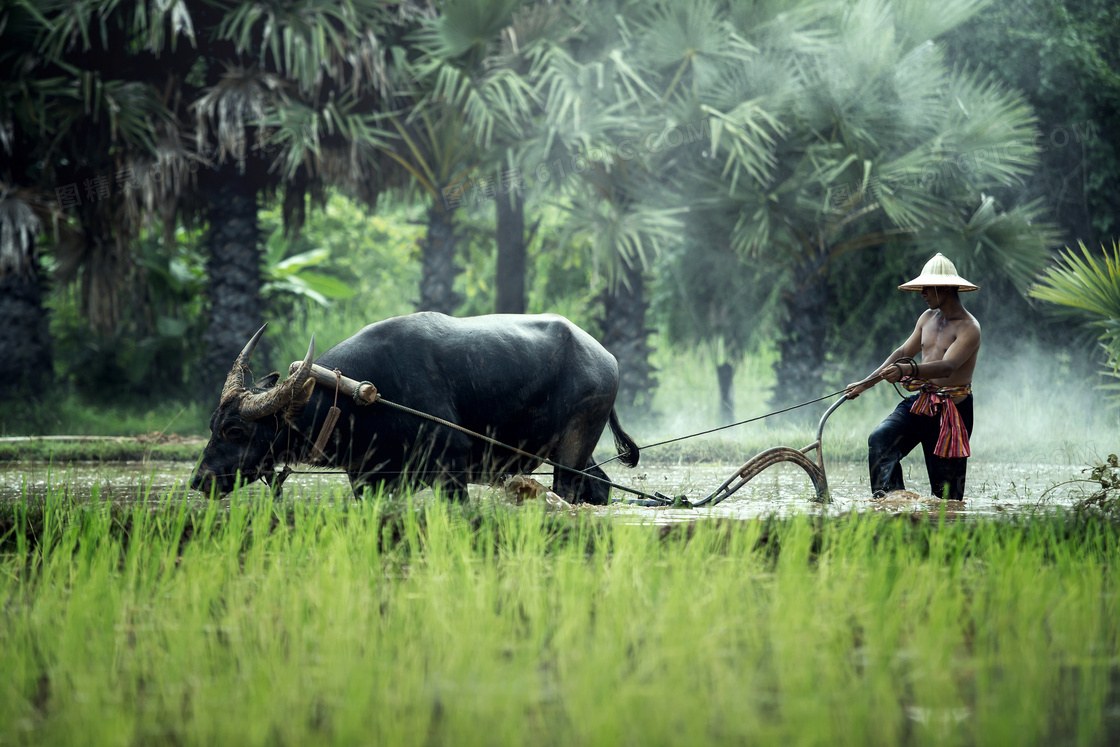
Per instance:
{"type": "Point", "coordinates": [350, 264]}
{"type": "Point", "coordinates": [374, 255]}
{"type": "Point", "coordinates": [1063, 56]}
{"type": "Point", "coordinates": [564, 279]}
{"type": "Point", "coordinates": [562, 276]}
{"type": "Point", "coordinates": [252, 621]}
{"type": "Point", "coordinates": [152, 351]}
{"type": "Point", "coordinates": [84, 415]}
{"type": "Point", "coordinates": [828, 133]}
{"type": "Point", "coordinates": [375, 249]}
{"type": "Point", "coordinates": [706, 296]}
{"type": "Point", "coordinates": [1089, 288]}
{"type": "Point", "coordinates": [1107, 473]}
{"type": "Point", "coordinates": [294, 268]}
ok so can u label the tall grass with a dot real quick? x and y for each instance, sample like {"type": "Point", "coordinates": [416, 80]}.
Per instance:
{"type": "Point", "coordinates": [377, 622]}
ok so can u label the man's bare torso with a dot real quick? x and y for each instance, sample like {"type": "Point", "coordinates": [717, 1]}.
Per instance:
{"type": "Point", "coordinates": [939, 332]}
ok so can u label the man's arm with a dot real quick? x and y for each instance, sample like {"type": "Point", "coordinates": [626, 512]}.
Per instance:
{"type": "Point", "coordinates": [887, 371]}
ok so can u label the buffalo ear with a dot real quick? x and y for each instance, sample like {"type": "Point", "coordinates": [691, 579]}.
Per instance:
{"type": "Point", "coordinates": [293, 411]}
{"type": "Point", "coordinates": [268, 382]}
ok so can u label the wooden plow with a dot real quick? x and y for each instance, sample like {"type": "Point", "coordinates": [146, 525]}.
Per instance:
{"type": "Point", "coordinates": [775, 455]}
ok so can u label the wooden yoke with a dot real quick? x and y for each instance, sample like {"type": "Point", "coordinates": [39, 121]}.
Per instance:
{"type": "Point", "coordinates": [362, 392]}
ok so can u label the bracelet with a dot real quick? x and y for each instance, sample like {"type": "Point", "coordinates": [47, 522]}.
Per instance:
{"type": "Point", "coordinates": [913, 370]}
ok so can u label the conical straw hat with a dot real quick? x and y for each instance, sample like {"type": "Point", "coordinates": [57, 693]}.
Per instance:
{"type": "Point", "coordinates": [939, 271]}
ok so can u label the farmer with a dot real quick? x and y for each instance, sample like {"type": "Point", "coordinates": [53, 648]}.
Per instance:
{"type": "Point", "coordinates": [939, 416]}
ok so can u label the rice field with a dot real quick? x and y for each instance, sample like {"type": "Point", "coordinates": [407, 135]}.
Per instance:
{"type": "Point", "coordinates": [169, 619]}
{"type": "Point", "coordinates": [133, 612]}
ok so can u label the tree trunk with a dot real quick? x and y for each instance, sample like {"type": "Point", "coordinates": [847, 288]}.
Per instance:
{"type": "Point", "coordinates": [107, 271]}
{"type": "Point", "coordinates": [625, 335]}
{"type": "Point", "coordinates": [509, 285]}
{"type": "Point", "coordinates": [725, 372]}
{"type": "Point", "coordinates": [802, 334]}
{"type": "Point", "coordinates": [25, 365]}
{"type": "Point", "coordinates": [234, 269]}
{"type": "Point", "coordinates": [437, 283]}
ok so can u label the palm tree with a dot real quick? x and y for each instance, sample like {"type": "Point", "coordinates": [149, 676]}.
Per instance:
{"type": "Point", "coordinates": [66, 130]}
{"type": "Point", "coordinates": [683, 50]}
{"type": "Point", "coordinates": [229, 103]}
{"type": "Point", "coordinates": [598, 107]}
{"type": "Point", "coordinates": [26, 366]}
{"type": "Point", "coordinates": [23, 333]}
{"type": "Point", "coordinates": [289, 101]}
{"type": "Point", "coordinates": [81, 124]}
{"type": "Point", "coordinates": [846, 130]}
{"type": "Point", "coordinates": [535, 30]}
{"type": "Point", "coordinates": [464, 103]}
{"type": "Point", "coordinates": [628, 230]}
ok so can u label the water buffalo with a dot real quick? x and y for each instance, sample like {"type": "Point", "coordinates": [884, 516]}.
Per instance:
{"type": "Point", "coordinates": [538, 383]}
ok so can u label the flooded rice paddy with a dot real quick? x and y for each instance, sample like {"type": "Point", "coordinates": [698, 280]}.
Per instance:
{"type": "Point", "coordinates": [784, 489]}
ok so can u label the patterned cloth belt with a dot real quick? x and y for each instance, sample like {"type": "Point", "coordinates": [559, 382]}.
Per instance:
{"type": "Point", "coordinates": [952, 440]}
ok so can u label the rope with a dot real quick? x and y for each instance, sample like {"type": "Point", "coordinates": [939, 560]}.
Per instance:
{"type": "Point", "coordinates": [725, 427]}
{"type": "Point", "coordinates": [909, 361]}
{"type": "Point", "coordinates": [514, 449]}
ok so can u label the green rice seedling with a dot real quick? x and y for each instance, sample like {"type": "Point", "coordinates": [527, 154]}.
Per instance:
{"type": "Point", "coordinates": [409, 620]}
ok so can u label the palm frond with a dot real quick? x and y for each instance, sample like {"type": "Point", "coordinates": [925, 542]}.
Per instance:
{"type": "Point", "coordinates": [919, 82]}
{"type": "Point", "coordinates": [312, 42]}
{"type": "Point", "coordinates": [241, 100]}
{"type": "Point", "coordinates": [499, 99]}
{"type": "Point", "coordinates": [988, 131]}
{"type": "Point", "coordinates": [338, 140]}
{"type": "Point", "coordinates": [465, 29]}
{"type": "Point", "coordinates": [1088, 284]}
{"type": "Point", "coordinates": [97, 24]}
{"type": "Point", "coordinates": [688, 43]}
{"type": "Point", "coordinates": [1088, 288]}
{"type": "Point", "coordinates": [20, 225]}
{"type": "Point", "coordinates": [131, 111]}
{"type": "Point", "coordinates": [748, 133]}
{"type": "Point", "coordinates": [918, 20]}
{"type": "Point", "coordinates": [623, 233]}
{"type": "Point", "coordinates": [1014, 243]}
{"type": "Point", "coordinates": [784, 27]}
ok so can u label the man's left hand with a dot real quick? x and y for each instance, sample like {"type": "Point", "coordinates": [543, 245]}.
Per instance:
{"type": "Point", "coordinates": [892, 374]}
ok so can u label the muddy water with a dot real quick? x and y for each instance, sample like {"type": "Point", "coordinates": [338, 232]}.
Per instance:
{"type": "Point", "coordinates": [784, 489]}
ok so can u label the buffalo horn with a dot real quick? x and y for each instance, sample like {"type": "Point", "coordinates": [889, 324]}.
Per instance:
{"type": "Point", "coordinates": [255, 406]}
{"type": "Point", "coordinates": [235, 379]}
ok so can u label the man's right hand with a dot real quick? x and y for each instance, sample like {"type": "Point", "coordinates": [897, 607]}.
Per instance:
{"type": "Point", "coordinates": [857, 388]}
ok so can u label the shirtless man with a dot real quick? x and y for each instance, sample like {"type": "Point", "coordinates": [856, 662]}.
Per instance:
{"type": "Point", "coordinates": [939, 417]}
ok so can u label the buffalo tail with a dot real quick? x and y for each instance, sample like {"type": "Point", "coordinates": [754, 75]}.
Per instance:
{"type": "Point", "coordinates": [623, 443]}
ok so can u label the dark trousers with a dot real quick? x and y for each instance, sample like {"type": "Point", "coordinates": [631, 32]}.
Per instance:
{"type": "Point", "coordinates": [899, 434]}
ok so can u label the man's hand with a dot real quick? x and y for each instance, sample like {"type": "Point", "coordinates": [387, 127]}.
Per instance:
{"type": "Point", "coordinates": [892, 373]}
{"type": "Point", "coordinates": [857, 388]}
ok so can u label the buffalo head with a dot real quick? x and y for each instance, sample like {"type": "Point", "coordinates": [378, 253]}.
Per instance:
{"type": "Point", "coordinates": [245, 427]}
